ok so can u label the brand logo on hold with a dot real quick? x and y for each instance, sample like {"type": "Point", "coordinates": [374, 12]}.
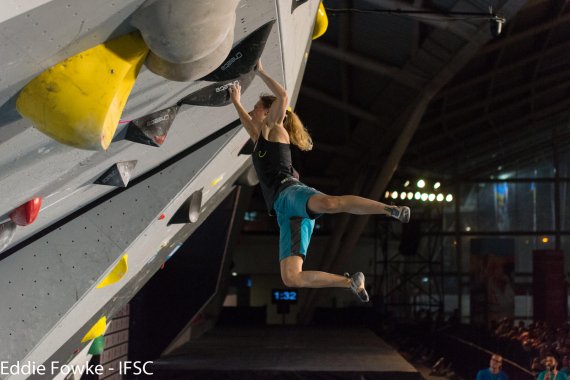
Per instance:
{"type": "Point", "coordinates": [157, 120]}
{"type": "Point", "coordinates": [225, 86]}
{"type": "Point", "coordinates": [226, 65]}
{"type": "Point", "coordinates": [108, 177]}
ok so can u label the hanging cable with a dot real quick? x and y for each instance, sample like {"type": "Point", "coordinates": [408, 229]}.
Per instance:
{"type": "Point", "coordinates": [496, 22]}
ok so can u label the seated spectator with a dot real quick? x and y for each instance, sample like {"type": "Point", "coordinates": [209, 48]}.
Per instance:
{"type": "Point", "coordinates": [551, 372]}
{"type": "Point", "coordinates": [494, 372]}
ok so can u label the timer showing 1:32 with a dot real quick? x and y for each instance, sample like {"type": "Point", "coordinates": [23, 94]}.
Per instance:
{"type": "Point", "coordinates": [284, 296]}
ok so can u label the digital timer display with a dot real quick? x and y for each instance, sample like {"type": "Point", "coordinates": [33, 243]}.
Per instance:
{"type": "Point", "coordinates": [284, 296]}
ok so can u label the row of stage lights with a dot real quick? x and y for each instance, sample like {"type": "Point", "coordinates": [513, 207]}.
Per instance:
{"type": "Point", "coordinates": [420, 196]}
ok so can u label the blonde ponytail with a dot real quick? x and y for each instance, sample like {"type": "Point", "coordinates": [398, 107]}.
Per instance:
{"type": "Point", "coordinates": [297, 132]}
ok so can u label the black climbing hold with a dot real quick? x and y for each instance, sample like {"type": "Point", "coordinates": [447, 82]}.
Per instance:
{"type": "Point", "coordinates": [153, 128]}
{"type": "Point", "coordinates": [243, 56]}
{"type": "Point", "coordinates": [217, 95]}
{"type": "Point", "coordinates": [117, 175]}
{"type": "Point", "coordinates": [247, 149]}
{"type": "Point", "coordinates": [296, 3]}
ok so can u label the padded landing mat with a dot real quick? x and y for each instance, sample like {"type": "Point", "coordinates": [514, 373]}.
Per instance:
{"type": "Point", "coordinates": [286, 352]}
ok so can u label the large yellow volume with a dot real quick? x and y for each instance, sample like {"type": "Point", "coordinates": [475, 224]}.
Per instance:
{"type": "Point", "coordinates": [96, 330]}
{"type": "Point", "coordinates": [79, 101]}
{"type": "Point", "coordinates": [118, 272]}
{"type": "Point", "coordinates": [321, 22]}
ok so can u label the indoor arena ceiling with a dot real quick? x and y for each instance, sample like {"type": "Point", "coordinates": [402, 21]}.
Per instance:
{"type": "Point", "coordinates": [497, 111]}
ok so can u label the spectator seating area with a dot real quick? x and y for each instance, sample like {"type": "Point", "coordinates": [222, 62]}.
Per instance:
{"type": "Point", "coordinates": [457, 351]}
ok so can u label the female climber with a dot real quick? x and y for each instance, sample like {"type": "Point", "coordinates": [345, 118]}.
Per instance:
{"type": "Point", "coordinates": [273, 127]}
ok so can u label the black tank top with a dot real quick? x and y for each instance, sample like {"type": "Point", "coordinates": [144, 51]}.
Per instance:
{"type": "Point", "coordinates": [272, 163]}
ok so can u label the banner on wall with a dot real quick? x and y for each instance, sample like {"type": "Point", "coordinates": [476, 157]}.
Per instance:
{"type": "Point", "coordinates": [492, 284]}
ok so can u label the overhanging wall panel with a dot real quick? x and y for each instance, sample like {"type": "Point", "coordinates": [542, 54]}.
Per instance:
{"type": "Point", "coordinates": [34, 165]}
{"type": "Point", "coordinates": [89, 245]}
{"type": "Point", "coordinates": [47, 283]}
{"type": "Point", "coordinates": [109, 301]}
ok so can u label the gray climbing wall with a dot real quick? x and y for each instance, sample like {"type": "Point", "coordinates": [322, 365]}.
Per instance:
{"type": "Point", "coordinates": [50, 270]}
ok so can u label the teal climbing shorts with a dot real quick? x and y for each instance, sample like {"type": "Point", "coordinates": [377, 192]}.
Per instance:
{"type": "Point", "coordinates": [296, 223]}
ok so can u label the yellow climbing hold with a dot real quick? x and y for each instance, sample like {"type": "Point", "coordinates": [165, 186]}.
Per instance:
{"type": "Point", "coordinates": [118, 272]}
{"type": "Point", "coordinates": [321, 22]}
{"type": "Point", "coordinates": [217, 180]}
{"type": "Point", "coordinates": [97, 330]}
{"type": "Point", "coordinates": [79, 101]}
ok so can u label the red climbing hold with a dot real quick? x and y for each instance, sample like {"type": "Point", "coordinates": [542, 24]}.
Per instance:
{"type": "Point", "coordinates": [27, 213]}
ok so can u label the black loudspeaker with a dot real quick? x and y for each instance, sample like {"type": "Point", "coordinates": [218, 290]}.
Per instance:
{"type": "Point", "coordinates": [411, 234]}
